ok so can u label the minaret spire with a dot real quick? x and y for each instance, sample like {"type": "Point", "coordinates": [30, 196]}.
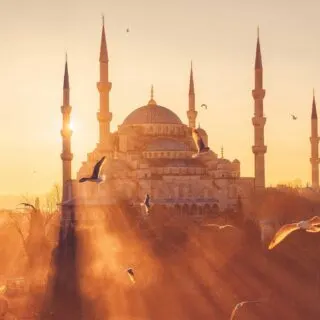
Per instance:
{"type": "Point", "coordinates": [314, 108]}
{"type": "Point", "coordinates": [104, 86]}
{"type": "Point", "coordinates": [259, 121]}
{"type": "Point", "coordinates": [66, 76]}
{"type": "Point", "coordinates": [258, 62]}
{"type": "Point", "coordinates": [192, 113]}
{"type": "Point", "coordinates": [314, 140]}
{"type": "Point", "coordinates": [103, 45]}
{"type": "Point", "coordinates": [66, 155]}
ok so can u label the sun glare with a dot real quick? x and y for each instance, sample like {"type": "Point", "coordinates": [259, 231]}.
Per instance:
{"type": "Point", "coordinates": [71, 126]}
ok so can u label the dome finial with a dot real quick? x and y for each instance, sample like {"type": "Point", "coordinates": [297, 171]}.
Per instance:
{"type": "Point", "coordinates": [221, 152]}
{"type": "Point", "coordinates": [152, 101]}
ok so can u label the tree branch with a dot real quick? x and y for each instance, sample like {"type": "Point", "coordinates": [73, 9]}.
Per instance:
{"type": "Point", "coordinates": [16, 224]}
{"type": "Point", "coordinates": [48, 218]}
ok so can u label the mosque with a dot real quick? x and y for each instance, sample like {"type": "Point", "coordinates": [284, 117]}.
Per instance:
{"type": "Point", "coordinates": [151, 152]}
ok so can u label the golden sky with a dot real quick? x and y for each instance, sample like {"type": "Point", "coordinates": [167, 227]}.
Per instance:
{"type": "Point", "coordinates": [220, 38]}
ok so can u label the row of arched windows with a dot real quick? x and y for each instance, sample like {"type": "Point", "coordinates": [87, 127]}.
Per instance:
{"type": "Point", "coordinates": [165, 130]}
{"type": "Point", "coordinates": [166, 154]}
{"type": "Point", "coordinates": [179, 170]}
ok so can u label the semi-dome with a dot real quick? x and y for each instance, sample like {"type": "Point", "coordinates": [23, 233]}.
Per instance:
{"type": "Point", "coordinates": [152, 114]}
{"type": "Point", "coordinates": [202, 132]}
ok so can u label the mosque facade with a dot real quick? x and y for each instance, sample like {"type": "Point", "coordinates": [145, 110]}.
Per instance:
{"type": "Point", "coordinates": [151, 152]}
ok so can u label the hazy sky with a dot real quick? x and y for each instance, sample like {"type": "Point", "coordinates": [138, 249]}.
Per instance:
{"type": "Point", "coordinates": [220, 38]}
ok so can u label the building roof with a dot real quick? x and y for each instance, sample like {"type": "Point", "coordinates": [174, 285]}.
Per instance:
{"type": "Point", "coordinates": [152, 114]}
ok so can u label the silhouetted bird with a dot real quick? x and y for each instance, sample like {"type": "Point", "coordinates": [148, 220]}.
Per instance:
{"type": "Point", "coordinates": [219, 226]}
{"type": "Point", "coordinates": [294, 117]}
{"type": "Point", "coordinates": [131, 275]}
{"type": "Point", "coordinates": [128, 30]}
{"type": "Point", "coordinates": [146, 203]}
{"type": "Point", "coordinates": [27, 205]}
{"type": "Point", "coordinates": [95, 177]}
{"type": "Point", "coordinates": [241, 304]}
{"type": "Point", "coordinates": [199, 143]}
{"type": "Point", "coordinates": [311, 225]}
{"type": "Point", "coordinates": [204, 106]}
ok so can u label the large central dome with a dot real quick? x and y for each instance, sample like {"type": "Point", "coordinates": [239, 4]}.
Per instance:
{"type": "Point", "coordinates": [152, 114]}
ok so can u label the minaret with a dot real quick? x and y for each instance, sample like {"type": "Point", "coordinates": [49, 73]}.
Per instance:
{"type": "Point", "coordinates": [192, 113]}
{"type": "Point", "coordinates": [314, 140]}
{"type": "Point", "coordinates": [66, 133]}
{"type": "Point", "coordinates": [104, 86]}
{"type": "Point", "coordinates": [259, 121]}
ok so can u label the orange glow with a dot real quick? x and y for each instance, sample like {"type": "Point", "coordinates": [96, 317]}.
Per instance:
{"type": "Point", "coordinates": [223, 79]}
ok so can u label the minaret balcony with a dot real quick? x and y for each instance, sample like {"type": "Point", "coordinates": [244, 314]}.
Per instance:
{"type": "Point", "coordinates": [259, 121]}
{"type": "Point", "coordinates": [104, 86]}
{"type": "Point", "coordinates": [104, 117]}
{"type": "Point", "coordinates": [314, 160]}
{"type": "Point", "coordinates": [66, 156]}
{"type": "Point", "coordinates": [66, 109]}
{"type": "Point", "coordinates": [314, 139]}
{"type": "Point", "coordinates": [258, 93]}
{"type": "Point", "coordinates": [259, 149]}
{"type": "Point", "coordinates": [66, 133]}
{"type": "Point", "coordinates": [191, 114]}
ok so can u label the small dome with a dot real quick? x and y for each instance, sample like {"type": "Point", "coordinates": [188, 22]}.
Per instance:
{"type": "Point", "coordinates": [166, 144]}
{"type": "Point", "coordinates": [236, 161]}
{"type": "Point", "coordinates": [152, 114]}
{"type": "Point", "coordinates": [202, 132]}
{"type": "Point", "coordinates": [224, 161]}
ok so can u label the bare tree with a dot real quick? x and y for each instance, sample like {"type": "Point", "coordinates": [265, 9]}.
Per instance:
{"type": "Point", "coordinates": [32, 225]}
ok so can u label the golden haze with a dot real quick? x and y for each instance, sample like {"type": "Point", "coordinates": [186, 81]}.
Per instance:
{"type": "Point", "coordinates": [219, 37]}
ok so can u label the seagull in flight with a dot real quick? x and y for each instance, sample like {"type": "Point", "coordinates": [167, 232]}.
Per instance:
{"type": "Point", "coordinates": [220, 227]}
{"type": "Point", "coordinates": [27, 205]}
{"type": "Point", "coordinates": [312, 225]}
{"type": "Point", "coordinates": [146, 203]}
{"type": "Point", "coordinates": [95, 177]}
{"type": "Point", "coordinates": [204, 106]}
{"type": "Point", "coordinates": [199, 143]}
{"type": "Point", "coordinates": [131, 275]}
{"type": "Point", "coordinates": [241, 304]}
{"type": "Point", "coordinates": [294, 117]}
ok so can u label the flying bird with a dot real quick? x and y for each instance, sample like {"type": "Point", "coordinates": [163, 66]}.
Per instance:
{"type": "Point", "coordinates": [127, 30]}
{"type": "Point", "coordinates": [219, 226]}
{"type": "Point", "coordinates": [131, 275]}
{"type": "Point", "coordinates": [294, 117]}
{"type": "Point", "coordinates": [204, 106]}
{"type": "Point", "coordinates": [312, 225]}
{"type": "Point", "coordinates": [199, 143]}
{"type": "Point", "coordinates": [241, 304]}
{"type": "Point", "coordinates": [27, 205]}
{"type": "Point", "coordinates": [95, 177]}
{"type": "Point", "coordinates": [146, 203]}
